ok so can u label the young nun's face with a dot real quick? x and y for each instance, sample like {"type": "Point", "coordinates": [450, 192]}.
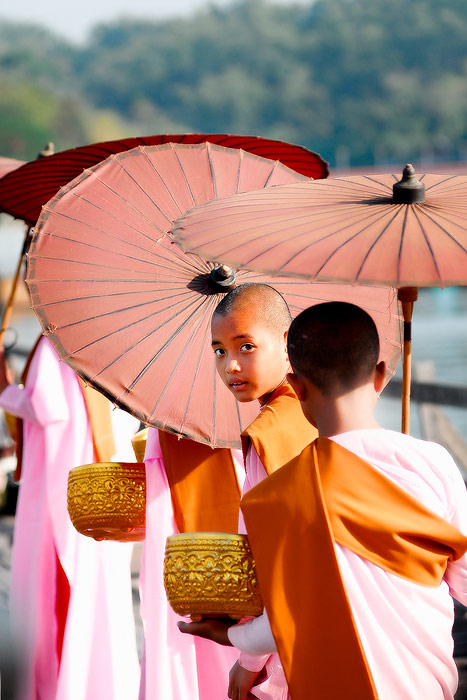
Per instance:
{"type": "Point", "coordinates": [251, 358]}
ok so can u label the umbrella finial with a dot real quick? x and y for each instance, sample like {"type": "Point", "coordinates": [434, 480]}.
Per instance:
{"type": "Point", "coordinates": [49, 150]}
{"type": "Point", "coordinates": [222, 279]}
{"type": "Point", "coordinates": [409, 190]}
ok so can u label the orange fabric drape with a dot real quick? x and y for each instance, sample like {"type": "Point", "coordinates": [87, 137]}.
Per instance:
{"type": "Point", "coordinates": [293, 519]}
{"type": "Point", "coordinates": [280, 432]}
{"type": "Point", "coordinates": [98, 408]}
{"type": "Point", "coordinates": [203, 485]}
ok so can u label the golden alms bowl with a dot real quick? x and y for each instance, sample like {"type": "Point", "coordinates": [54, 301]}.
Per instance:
{"type": "Point", "coordinates": [211, 574]}
{"type": "Point", "coordinates": [138, 442]}
{"type": "Point", "coordinates": [107, 500]}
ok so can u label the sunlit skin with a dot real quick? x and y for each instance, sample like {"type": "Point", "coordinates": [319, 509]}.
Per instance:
{"type": "Point", "coordinates": [252, 361]}
{"type": "Point", "coordinates": [343, 410]}
{"type": "Point", "coordinates": [251, 358]}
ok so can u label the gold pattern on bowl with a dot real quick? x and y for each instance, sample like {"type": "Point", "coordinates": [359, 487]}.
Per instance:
{"type": "Point", "coordinates": [211, 574]}
{"type": "Point", "coordinates": [107, 500]}
{"type": "Point", "coordinates": [138, 441]}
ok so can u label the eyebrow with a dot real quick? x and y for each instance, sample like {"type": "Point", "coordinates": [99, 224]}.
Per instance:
{"type": "Point", "coordinates": [242, 336]}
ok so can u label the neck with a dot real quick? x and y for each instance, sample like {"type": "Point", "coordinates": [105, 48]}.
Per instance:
{"type": "Point", "coordinates": [263, 400]}
{"type": "Point", "coordinates": [352, 411]}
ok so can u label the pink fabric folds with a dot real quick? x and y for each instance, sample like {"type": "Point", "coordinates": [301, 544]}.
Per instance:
{"type": "Point", "coordinates": [99, 658]}
{"type": "Point", "coordinates": [176, 666]}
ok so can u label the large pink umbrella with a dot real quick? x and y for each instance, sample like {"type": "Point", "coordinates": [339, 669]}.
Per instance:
{"type": "Point", "coordinates": [359, 230]}
{"type": "Point", "coordinates": [130, 312]}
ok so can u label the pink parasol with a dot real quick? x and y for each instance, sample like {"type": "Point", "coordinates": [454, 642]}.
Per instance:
{"type": "Point", "coordinates": [357, 230]}
{"type": "Point", "coordinates": [130, 312]}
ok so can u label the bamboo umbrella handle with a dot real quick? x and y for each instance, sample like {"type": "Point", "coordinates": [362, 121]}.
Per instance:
{"type": "Point", "coordinates": [407, 296]}
{"type": "Point", "coordinates": [14, 286]}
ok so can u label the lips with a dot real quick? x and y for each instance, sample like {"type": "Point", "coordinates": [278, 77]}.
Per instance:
{"type": "Point", "coordinates": [237, 384]}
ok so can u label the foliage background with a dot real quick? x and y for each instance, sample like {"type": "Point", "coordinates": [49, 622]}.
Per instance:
{"type": "Point", "coordinates": [360, 81]}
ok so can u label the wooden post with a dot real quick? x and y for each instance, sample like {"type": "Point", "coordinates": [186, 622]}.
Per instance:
{"type": "Point", "coordinates": [407, 296]}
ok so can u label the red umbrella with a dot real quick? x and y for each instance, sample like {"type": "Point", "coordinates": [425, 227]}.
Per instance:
{"type": "Point", "coordinates": [23, 193]}
{"type": "Point", "coordinates": [355, 230]}
{"type": "Point", "coordinates": [129, 311]}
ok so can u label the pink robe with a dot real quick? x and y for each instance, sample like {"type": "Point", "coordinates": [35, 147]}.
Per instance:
{"type": "Point", "coordinates": [274, 686]}
{"type": "Point", "coordinates": [405, 628]}
{"type": "Point", "coordinates": [99, 657]}
{"type": "Point", "coordinates": [175, 666]}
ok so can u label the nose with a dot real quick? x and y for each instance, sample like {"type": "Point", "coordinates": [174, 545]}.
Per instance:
{"type": "Point", "coordinates": [232, 366]}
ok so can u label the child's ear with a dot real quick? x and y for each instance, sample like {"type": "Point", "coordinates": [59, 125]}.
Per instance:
{"type": "Point", "coordinates": [286, 335]}
{"type": "Point", "coordinates": [298, 385]}
{"type": "Point", "coordinates": [379, 377]}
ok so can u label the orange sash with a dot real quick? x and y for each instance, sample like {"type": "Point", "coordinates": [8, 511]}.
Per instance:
{"type": "Point", "coordinates": [280, 432]}
{"type": "Point", "coordinates": [203, 485]}
{"type": "Point", "coordinates": [98, 408]}
{"type": "Point", "coordinates": [293, 519]}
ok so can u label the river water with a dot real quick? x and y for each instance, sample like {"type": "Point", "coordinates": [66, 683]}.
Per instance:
{"type": "Point", "coordinates": [439, 333]}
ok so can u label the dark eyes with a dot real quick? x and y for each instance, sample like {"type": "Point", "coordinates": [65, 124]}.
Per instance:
{"type": "Point", "coordinates": [246, 347]}
{"type": "Point", "coordinates": [218, 352]}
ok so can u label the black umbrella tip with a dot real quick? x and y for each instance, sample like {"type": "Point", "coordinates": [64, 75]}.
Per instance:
{"type": "Point", "coordinates": [408, 190]}
{"type": "Point", "coordinates": [222, 279]}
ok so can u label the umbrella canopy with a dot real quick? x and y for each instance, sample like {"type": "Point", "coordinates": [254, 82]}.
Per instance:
{"type": "Point", "coordinates": [9, 164]}
{"type": "Point", "coordinates": [359, 230]}
{"type": "Point", "coordinates": [23, 194]}
{"type": "Point", "coordinates": [130, 312]}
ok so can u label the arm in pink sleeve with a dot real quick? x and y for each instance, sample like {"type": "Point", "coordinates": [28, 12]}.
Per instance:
{"type": "Point", "coordinates": [43, 400]}
{"type": "Point", "coordinates": [254, 638]}
{"type": "Point", "coordinates": [255, 473]}
{"type": "Point", "coordinates": [456, 571]}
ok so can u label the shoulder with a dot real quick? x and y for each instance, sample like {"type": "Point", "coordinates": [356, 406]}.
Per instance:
{"type": "Point", "coordinates": [425, 469]}
{"type": "Point", "coordinates": [280, 481]}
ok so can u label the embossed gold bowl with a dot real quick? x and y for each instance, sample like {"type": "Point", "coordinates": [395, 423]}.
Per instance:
{"type": "Point", "coordinates": [138, 442]}
{"type": "Point", "coordinates": [211, 574]}
{"type": "Point", "coordinates": [107, 500]}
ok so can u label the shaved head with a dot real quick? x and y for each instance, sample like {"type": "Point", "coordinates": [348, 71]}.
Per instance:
{"type": "Point", "coordinates": [334, 345]}
{"type": "Point", "coordinates": [265, 302]}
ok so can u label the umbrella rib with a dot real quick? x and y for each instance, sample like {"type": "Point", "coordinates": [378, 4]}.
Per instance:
{"type": "Point", "coordinates": [145, 193]}
{"type": "Point", "coordinates": [89, 263]}
{"type": "Point", "coordinates": [195, 375]}
{"type": "Point", "coordinates": [159, 352]}
{"type": "Point", "coordinates": [372, 246]}
{"type": "Point", "coordinates": [185, 261]}
{"type": "Point", "coordinates": [130, 205]}
{"type": "Point", "coordinates": [167, 188]}
{"type": "Point", "coordinates": [113, 311]}
{"type": "Point", "coordinates": [428, 243]}
{"type": "Point", "coordinates": [314, 243]}
{"type": "Point", "coordinates": [185, 176]}
{"type": "Point", "coordinates": [213, 172]}
{"type": "Point", "coordinates": [56, 212]}
{"type": "Point", "coordinates": [239, 166]}
{"type": "Point", "coordinates": [444, 230]}
{"type": "Point", "coordinates": [129, 325]}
